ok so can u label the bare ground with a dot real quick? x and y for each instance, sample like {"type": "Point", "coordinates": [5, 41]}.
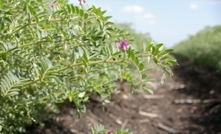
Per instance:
{"type": "Point", "coordinates": [187, 103]}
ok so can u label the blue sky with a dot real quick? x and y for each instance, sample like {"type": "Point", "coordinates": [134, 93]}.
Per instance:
{"type": "Point", "coordinates": [167, 22]}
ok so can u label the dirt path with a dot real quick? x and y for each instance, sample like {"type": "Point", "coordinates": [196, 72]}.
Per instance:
{"type": "Point", "coordinates": [187, 103]}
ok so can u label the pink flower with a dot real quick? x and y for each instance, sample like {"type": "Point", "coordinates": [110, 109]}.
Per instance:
{"type": "Point", "coordinates": [109, 132]}
{"type": "Point", "coordinates": [123, 45]}
{"type": "Point", "coordinates": [81, 2]}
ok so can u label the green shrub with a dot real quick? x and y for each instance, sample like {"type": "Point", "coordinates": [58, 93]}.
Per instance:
{"type": "Point", "coordinates": [51, 52]}
{"type": "Point", "coordinates": [203, 48]}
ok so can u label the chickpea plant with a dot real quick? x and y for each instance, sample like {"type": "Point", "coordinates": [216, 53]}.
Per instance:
{"type": "Point", "coordinates": [52, 51]}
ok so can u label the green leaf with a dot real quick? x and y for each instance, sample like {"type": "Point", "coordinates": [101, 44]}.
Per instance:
{"type": "Point", "coordinates": [85, 16]}
{"type": "Point", "coordinates": [46, 66]}
{"type": "Point", "coordinates": [81, 95]}
{"type": "Point", "coordinates": [77, 52]}
{"type": "Point", "coordinates": [159, 47]}
{"type": "Point", "coordinates": [31, 10]}
{"type": "Point", "coordinates": [1, 128]}
{"type": "Point", "coordinates": [148, 90]}
{"type": "Point", "coordinates": [136, 60]}
{"type": "Point", "coordinates": [108, 17]}
{"type": "Point", "coordinates": [109, 23]}
{"type": "Point", "coordinates": [94, 9]}
{"type": "Point", "coordinates": [7, 83]}
{"type": "Point", "coordinates": [162, 79]}
{"type": "Point", "coordinates": [8, 46]}
{"type": "Point", "coordinates": [77, 9]}
{"type": "Point", "coordinates": [167, 70]}
{"type": "Point", "coordinates": [144, 76]}
{"type": "Point", "coordinates": [146, 70]}
{"type": "Point", "coordinates": [165, 52]}
{"type": "Point", "coordinates": [154, 50]}
{"type": "Point", "coordinates": [171, 62]}
{"type": "Point", "coordinates": [141, 66]}
{"type": "Point", "coordinates": [72, 8]}
{"type": "Point", "coordinates": [95, 38]}
{"type": "Point", "coordinates": [131, 54]}
{"type": "Point", "coordinates": [107, 51]}
{"type": "Point", "coordinates": [149, 47]}
{"type": "Point", "coordinates": [69, 8]}
{"type": "Point", "coordinates": [14, 92]}
{"type": "Point", "coordinates": [7, 19]}
{"type": "Point", "coordinates": [116, 53]}
{"type": "Point", "coordinates": [81, 13]}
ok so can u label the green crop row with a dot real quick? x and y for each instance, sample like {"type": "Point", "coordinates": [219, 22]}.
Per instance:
{"type": "Point", "coordinates": [202, 48]}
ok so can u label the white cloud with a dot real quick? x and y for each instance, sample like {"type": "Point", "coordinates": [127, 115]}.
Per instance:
{"type": "Point", "coordinates": [133, 8]}
{"type": "Point", "coordinates": [150, 18]}
{"type": "Point", "coordinates": [193, 6]}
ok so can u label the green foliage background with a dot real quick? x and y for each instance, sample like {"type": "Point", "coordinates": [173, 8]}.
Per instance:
{"type": "Point", "coordinates": [203, 48]}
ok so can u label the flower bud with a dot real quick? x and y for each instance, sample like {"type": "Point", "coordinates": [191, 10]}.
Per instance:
{"type": "Point", "coordinates": [123, 45]}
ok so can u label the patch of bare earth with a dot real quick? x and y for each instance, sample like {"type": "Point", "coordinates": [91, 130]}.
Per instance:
{"type": "Point", "coordinates": [187, 103]}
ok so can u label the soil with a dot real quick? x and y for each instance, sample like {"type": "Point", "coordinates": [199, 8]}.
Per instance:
{"type": "Point", "coordinates": [187, 103]}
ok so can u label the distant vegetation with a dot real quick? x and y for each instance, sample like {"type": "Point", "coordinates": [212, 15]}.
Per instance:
{"type": "Point", "coordinates": [203, 48]}
{"type": "Point", "coordinates": [138, 38]}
